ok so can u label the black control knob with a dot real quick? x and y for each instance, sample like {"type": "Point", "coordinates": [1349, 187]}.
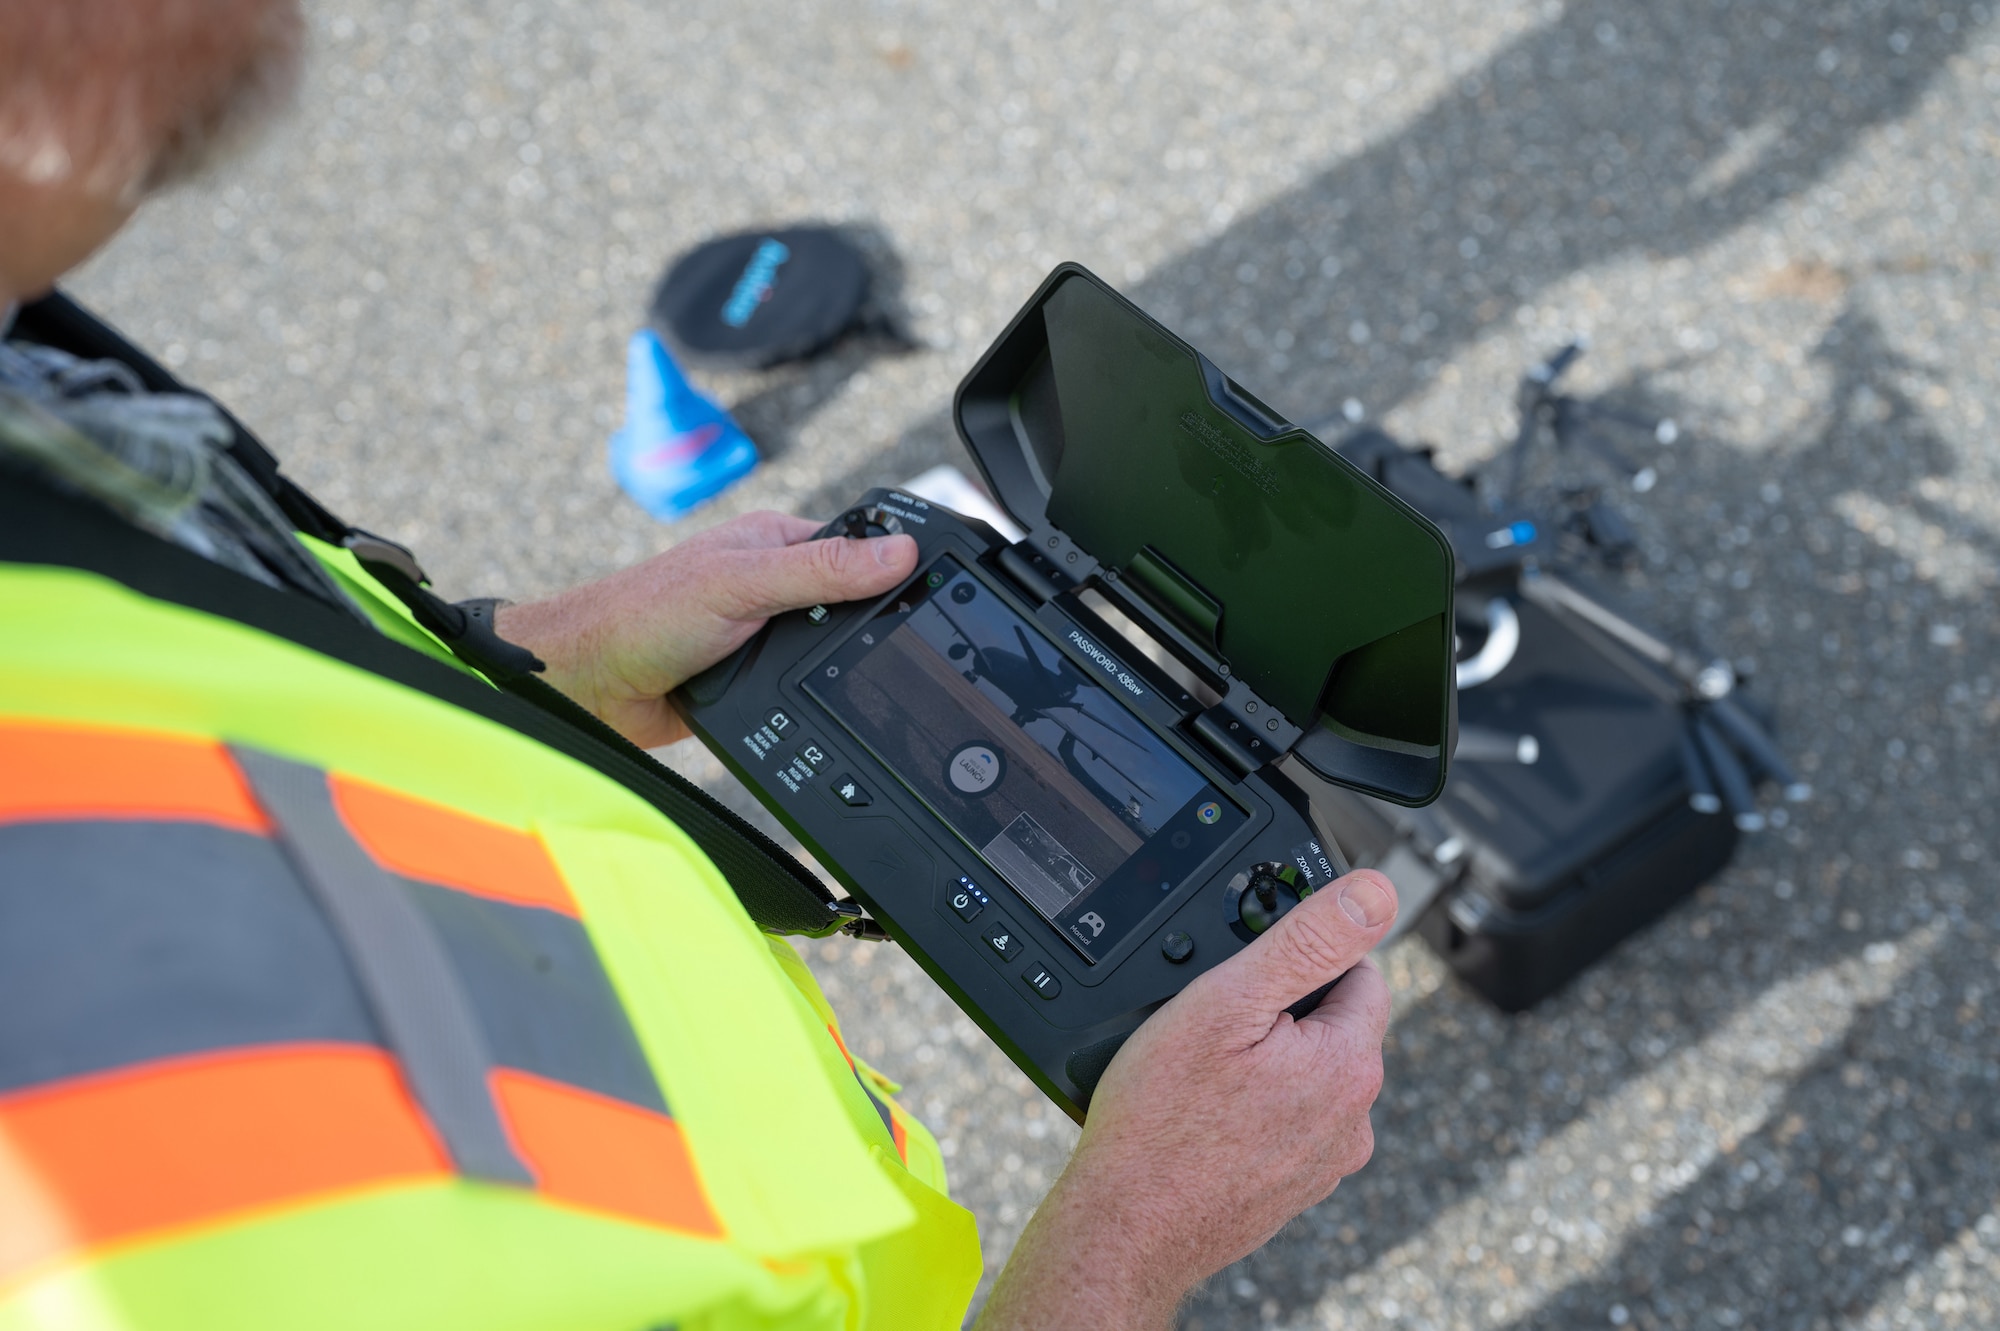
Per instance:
{"type": "Point", "coordinates": [861, 523]}
{"type": "Point", "coordinates": [1267, 897]}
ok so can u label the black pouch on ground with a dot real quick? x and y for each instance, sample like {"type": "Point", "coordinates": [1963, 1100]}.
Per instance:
{"type": "Point", "coordinates": [755, 299]}
{"type": "Point", "coordinates": [1577, 810]}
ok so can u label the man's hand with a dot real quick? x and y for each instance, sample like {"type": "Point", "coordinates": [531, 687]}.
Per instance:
{"type": "Point", "coordinates": [1220, 1120]}
{"type": "Point", "coordinates": [620, 644]}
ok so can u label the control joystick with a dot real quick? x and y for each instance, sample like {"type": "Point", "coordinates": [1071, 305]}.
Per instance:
{"type": "Point", "coordinates": [859, 524]}
{"type": "Point", "coordinates": [1267, 891]}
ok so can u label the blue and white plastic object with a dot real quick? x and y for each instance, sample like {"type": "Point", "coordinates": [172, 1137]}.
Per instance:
{"type": "Point", "coordinates": [676, 448]}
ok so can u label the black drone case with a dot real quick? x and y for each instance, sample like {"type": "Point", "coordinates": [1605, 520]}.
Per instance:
{"type": "Point", "coordinates": [1525, 873]}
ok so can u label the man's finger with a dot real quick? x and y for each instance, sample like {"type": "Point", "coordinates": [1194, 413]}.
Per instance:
{"type": "Point", "coordinates": [1316, 941]}
{"type": "Point", "coordinates": [777, 529]}
{"type": "Point", "coordinates": [765, 529]}
{"type": "Point", "coordinates": [1358, 1007]}
{"type": "Point", "coordinates": [769, 582]}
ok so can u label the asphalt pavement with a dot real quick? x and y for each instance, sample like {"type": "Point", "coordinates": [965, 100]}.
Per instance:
{"type": "Point", "coordinates": [1777, 222]}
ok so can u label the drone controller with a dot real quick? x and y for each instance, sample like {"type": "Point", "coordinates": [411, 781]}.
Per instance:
{"type": "Point", "coordinates": [1068, 774]}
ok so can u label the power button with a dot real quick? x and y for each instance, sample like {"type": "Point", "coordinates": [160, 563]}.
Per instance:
{"type": "Point", "coordinates": [967, 899]}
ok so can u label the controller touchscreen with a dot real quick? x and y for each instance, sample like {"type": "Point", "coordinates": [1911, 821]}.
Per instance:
{"type": "Point", "coordinates": [1085, 812]}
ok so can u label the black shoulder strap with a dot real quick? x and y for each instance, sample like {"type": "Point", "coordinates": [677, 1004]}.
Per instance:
{"type": "Point", "coordinates": [57, 321]}
{"type": "Point", "coordinates": [40, 526]}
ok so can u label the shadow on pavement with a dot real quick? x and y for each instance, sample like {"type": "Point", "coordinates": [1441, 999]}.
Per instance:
{"type": "Point", "coordinates": [1880, 1155]}
{"type": "Point", "coordinates": [783, 400]}
{"type": "Point", "coordinates": [1620, 126]}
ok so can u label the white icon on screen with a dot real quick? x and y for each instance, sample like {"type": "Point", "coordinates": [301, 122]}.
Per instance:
{"type": "Point", "coordinates": [974, 769]}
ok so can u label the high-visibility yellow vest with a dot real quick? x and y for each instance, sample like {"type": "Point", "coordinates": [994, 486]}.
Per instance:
{"type": "Point", "coordinates": [230, 1096]}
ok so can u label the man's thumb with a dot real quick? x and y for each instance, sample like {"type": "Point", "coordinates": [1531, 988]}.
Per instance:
{"type": "Point", "coordinates": [1316, 941]}
{"type": "Point", "coordinates": [824, 571]}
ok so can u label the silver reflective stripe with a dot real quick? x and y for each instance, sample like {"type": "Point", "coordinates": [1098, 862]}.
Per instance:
{"type": "Point", "coordinates": [404, 972]}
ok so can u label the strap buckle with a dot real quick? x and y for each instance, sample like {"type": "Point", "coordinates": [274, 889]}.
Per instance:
{"type": "Point", "coordinates": [372, 549]}
{"type": "Point", "coordinates": [850, 919]}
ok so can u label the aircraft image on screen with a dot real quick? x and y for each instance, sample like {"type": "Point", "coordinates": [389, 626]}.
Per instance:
{"type": "Point", "coordinates": [1058, 706]}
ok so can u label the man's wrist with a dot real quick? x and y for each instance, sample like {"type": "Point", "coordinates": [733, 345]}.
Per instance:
{"type": "Point", "coordinates": [541, 627]}
{"type": "Point", "coordinates": [1083, 1262]}
{"type": "Point", "coordinates": [572, 634]}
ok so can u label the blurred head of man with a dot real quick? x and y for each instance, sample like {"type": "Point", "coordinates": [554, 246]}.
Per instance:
{"type": "Point", "coordinates": [104, 101]}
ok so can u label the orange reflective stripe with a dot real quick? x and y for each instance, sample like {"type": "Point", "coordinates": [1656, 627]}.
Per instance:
{"type": "Point", "coordinates": [885, 1108]}
{"type": "Point", "coordinates": [604, 1154]}
{"type": "Point", "coordinates": [67, 772]}
{"type": "Point", "coordinates": [439, 845]}
{"type": "Point", "coordinates": [183, 1141]}
{"type": "Point", "coordinates": [52, 772]}
{"type": "Point", "coordinates": [841, 1044]}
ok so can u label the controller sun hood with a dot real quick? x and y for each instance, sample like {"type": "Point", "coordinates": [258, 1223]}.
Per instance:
{"type": "Point", "coordinates": [1318, 602]}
